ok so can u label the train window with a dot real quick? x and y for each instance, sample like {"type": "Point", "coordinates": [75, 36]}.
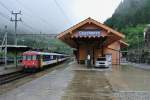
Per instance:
{"type": "Point", "coordinates": [38, 57]}
{"type": "Point", "coordinates": [52, 57]}
{"type": "Point", "coordinates": [34, 57]}
{"type": "Point", "coordinates": [29, 57]}
{"type": "Point", "coordinates": [46, 57]}
{"type": "Point", "coordinates": [24, 57]}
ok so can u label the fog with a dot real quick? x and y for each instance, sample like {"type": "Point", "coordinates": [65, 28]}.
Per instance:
{"type": "Point", "coordinates": [53, 16]}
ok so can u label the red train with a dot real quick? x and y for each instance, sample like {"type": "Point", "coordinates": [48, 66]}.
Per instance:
{"type": "Point", "coordinates": [38, 60]}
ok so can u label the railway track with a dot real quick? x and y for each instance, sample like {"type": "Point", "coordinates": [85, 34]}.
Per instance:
{"type": "Point", "coordinates": [11, 77]}
{"type": "Point", "coordinates": [7, 78]}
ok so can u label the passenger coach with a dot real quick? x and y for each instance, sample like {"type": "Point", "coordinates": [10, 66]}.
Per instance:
{"type": "Point", "coordinates": [38, 60]}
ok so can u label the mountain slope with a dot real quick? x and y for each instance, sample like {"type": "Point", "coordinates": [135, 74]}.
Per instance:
{"type": "Point", "coordinates": [131, 17]}
{"type": "Point", "coordinates": [130, 13]}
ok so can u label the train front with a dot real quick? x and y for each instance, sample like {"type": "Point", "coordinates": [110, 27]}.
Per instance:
{"type": "Point", "coordinates": [31, 60]}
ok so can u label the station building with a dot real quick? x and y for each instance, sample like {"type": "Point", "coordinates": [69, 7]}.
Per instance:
{"type": "Point", "coordinates": [93, 38]}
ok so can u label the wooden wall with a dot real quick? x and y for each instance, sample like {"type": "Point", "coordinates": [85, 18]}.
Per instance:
{"type": "Point", "coordinates": [114, 50]}
{"type": "Point", "coordinates": [111, 49]}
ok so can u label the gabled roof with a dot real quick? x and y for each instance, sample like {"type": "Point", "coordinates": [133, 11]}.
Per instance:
{"type": "Point", "coordinates": [90, 20]}
{"type": "Point", "coordinates": [123, 44]}
{"type": "Point", "coordinates": [111, 34]}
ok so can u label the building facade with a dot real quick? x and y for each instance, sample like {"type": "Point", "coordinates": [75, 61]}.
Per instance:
{"type": "Point", "coordinates": [90, 37]}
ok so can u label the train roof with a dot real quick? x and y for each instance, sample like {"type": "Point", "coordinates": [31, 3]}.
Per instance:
{"type": "Point", "coordinates": [39, 53]}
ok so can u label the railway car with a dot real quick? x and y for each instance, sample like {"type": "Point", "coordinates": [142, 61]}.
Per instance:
{"type": "Point", "coordinates": [38, 60]}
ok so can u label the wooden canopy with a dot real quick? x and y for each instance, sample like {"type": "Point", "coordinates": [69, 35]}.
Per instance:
{"type": "Point", "coordinates": [107, 32]}
{"type": "Point", "coordinates": [123, 44]}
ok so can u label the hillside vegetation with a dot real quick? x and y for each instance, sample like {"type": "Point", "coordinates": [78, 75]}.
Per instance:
{"type": "Point", "coordinates": [40, 43]}
{"type": "Point", "coordinates": [131, 17]}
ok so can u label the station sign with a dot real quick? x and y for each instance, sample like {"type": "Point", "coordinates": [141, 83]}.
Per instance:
{"type": "Point", "coordinates": [89, 33]}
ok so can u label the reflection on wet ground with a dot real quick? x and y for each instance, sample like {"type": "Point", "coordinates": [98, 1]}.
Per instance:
{"type": "Point", "coordinates": [117, 83]}
{"type": "Point", "coordinates": [129, 78]}
{"type": "Point", "coordinates": [76, 82]}
{"type": "Point", "coordinates": [88, 84]}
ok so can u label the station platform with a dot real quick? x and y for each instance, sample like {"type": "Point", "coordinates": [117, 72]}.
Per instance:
{"type": "Point", "coordinates": [142, 66]}
{"type": "Point", "coordinates": [70, 82]}
{"type": "Point", "coordinates": [10, 69]}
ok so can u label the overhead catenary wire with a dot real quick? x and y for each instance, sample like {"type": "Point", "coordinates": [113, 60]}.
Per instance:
{"type": "Point", "coordinates": [30, 27]}
{"type": "Point", "coordinates": [29, 10]}
{"type": "Point", "coordinates": [62, 11]}
{"type": "Point", "coordinates": [4, 6]}
{"type": "Point", "coordinates": [4, 16]}
{"type": "Point", "coordinates": [7, 18]}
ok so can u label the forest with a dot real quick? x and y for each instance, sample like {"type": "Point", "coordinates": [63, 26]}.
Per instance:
{"type": "Point", "coordinates": [130, 18]}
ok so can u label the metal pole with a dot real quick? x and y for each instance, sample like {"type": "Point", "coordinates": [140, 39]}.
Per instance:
{"type": "Point", "coordinates": [5, 47]}
{"type": "Point", "coordinates": [138, 48]}
{"type": "Point", "coordinates": [16, 20]}
{"type": "Point", "coordinates": [119, 57]}
{"type": "Point", "coordinates": [15, 29]}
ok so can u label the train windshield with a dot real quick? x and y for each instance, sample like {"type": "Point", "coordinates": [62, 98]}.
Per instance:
{"type": "Point", "coordinates": [34, 57]}
{"type": "Point", "coordinates": [24, 57]}
{"type": "Point", "coordinates": [30, 57]}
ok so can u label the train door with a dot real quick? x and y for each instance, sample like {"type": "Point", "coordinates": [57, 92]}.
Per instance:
{"type": "Point", "coordinates": [57, 58]}
{"type": "Point", "coordinates": [38, 58]}
{"type": "Point", "coordinates": [41, 60]}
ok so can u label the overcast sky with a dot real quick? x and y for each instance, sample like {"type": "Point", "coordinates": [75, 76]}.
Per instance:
{"type": "Point", "coordinates": [54, 16]}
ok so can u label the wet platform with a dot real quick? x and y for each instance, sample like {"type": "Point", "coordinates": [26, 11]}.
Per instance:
{"type": "Point", "coordinates": [73, 82]}
{"type": "Point", "coordinates": [142, 66]}
{"type": "Point", "coordinates": [9, 69]}
{"type": "Point", "coordinates": [76, 82]}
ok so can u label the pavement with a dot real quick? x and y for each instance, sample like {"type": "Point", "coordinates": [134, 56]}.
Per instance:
{"type": "Point", "coordinates": [69, 83]}
{"type": "Point", "coordinates": [143, 66]}
{"type": "Point", "coordinates": [10, 69]}
{"type": "Point", "coordinates": [76, 82]}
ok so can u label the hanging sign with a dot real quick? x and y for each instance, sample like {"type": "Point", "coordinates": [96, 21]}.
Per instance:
{"type": "Point", "coordinates": [89, 33]}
